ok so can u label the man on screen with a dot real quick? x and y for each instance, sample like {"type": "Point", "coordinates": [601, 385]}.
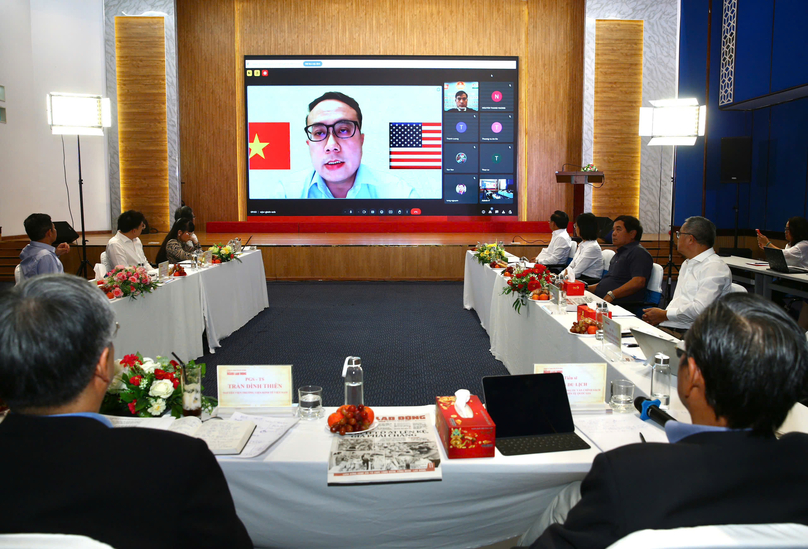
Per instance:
{"type": "Point", "coordinates": [335, 139]}
{"type": "Point", "coordinates": [461, 103]}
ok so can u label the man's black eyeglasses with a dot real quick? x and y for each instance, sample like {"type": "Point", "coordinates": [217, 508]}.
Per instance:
{"type": "Point", "coordinates": [343, 129]}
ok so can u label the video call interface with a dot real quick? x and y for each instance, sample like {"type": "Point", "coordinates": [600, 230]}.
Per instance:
{"type": "Point", "coordinates": [438, 136]}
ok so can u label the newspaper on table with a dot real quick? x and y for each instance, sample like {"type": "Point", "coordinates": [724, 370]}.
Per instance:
{"type": "Point", "coordinates": [402, 448]}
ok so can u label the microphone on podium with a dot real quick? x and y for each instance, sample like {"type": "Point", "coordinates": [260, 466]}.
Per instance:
{"type": "Point", "coordinates": [649, 409]}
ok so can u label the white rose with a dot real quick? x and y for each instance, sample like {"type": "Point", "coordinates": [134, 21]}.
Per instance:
{"type": "Point", "coordinates": [148, 365]}
{"type": "Point", "coordinates": [158, 405]}
{"type": "Point", "coordinates": [162, 388]}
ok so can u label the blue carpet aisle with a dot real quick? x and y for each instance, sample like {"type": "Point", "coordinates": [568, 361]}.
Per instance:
{"type": "Point", "coordinates": [415, 339]}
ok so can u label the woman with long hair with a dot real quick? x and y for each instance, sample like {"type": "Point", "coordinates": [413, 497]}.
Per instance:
{"type": "Point", "coordinates": [178, 241]}
{"type": "Point", "coordinates": [796, 250]}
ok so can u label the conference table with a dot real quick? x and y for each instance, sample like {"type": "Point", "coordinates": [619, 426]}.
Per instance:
{"type": "Point", "coordinates": [218, 299]}
{"type": "Point", "coordinates": [764, 280]}
{"type": "Point", "coordinates": [283, 498]}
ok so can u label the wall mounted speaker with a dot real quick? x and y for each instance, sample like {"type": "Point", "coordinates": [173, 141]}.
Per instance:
{"type": "Point", "coordinates": [736, 159]}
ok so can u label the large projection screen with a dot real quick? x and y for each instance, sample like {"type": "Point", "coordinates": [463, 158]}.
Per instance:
{"type": "Point", "coordinates": [437, 136]}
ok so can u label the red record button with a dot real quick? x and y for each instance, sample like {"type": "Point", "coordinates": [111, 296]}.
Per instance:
{"type": "Point", "coordinates": [415, 211]}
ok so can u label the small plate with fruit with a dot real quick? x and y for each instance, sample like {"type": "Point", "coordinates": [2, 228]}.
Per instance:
{"type": "Point", "coordinates": [352, 420]}
{"type": "Point", "coordinates": [586, 327]}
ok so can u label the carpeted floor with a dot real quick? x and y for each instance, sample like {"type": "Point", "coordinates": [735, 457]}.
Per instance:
{"type": "Point", "coordinates": [415, 339]}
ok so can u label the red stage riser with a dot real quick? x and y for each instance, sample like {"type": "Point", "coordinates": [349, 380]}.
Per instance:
{"type": "Point", "coordinates": [378, 225]}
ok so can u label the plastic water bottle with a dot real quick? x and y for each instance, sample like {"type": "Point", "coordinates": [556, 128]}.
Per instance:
{"type": "Point", "coordinates": [354, 387]}
{"type": "Point", "coordinates": [661, 380]}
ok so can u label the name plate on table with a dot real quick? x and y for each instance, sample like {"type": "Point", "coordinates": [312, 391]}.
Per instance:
{"type": "Point", "coordinates": [162, 270]}
{"type": "Point", "coordinates": [586, 383]}
{"type": "Point", "coordinates": [255, 386]}
{"type": "Point", "coordinates": [555, 297]}
{"type": "Point", "coordinates": [612, 339]}
{"type": "Point", "coordinates": [207, 258]}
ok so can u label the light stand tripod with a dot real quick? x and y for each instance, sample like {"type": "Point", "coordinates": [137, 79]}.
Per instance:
{"type": "Point", "coordinates": [670, 265]}
{"type": "Point", "coordinates": [84, 267]}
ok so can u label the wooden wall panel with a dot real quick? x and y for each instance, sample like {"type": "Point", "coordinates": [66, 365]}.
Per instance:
{"type": "Point", "coordinates": [214, 35]}
{"type": "Point", "coordinates": [142, 119]}
{"type": "Point", "coordinates": [208, 91]}
{"type": "Point", "coordinates": [554, 100]}
{"type": "Point", "coordinates": [618, 98]}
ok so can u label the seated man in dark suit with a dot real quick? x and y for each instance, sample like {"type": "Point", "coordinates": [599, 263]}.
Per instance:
{"type": "Point", "coordinates": [63, 468]}
{"type": "Point", "coordinates": [630, 268]}
{"type": "Point", "coordinates": [744, 367]}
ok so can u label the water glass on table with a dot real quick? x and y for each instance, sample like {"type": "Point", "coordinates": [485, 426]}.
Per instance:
{"type": "Point", "coordinates": [310, 402]}
{"type": "Point", "coordinates": [622, 396]}
{"type": "Point", "coordinates": [191, 390]}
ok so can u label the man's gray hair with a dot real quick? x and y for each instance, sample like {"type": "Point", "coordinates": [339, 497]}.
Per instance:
{"type": "Point", "coordinates": [702, 229]}
{"type": "Point", "coordinates": [53, 329]}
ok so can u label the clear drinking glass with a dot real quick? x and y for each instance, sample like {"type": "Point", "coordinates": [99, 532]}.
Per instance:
{"type": "Point", "coordinates": [622, 395]}
{"type": "Point", "coordinates": [310, 402]}
{"type": "Point", "coordinates": [191, 390]}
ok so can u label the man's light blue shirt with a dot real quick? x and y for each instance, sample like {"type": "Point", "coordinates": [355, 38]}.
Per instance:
{"type": "Point", "coordinates": [676, 430]}
{"type": "Point", "coordinates": [98, 417]}
{"type": "Point", "coordinates": [38, 258]}
{"type": "Point", "coordinates": [367, 184]}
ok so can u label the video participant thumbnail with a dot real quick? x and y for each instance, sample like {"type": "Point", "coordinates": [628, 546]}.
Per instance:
{"type": "Point", "coordinates": [461, 157]}
{"type": "Point", "coordinates": [497, 96]}
{"type": "Point", "coordinates": [496, 191]}
{"type": "Point", "coordinates": [461, 127]}
{"type": "Point", "coordinates": [496, 127]}
{"type": "Point", "coordinates": [461, 96]}
{"type": "Point", "coordinates": [496, 158]}
{"type": "Point", "coordinates": [460, 189]}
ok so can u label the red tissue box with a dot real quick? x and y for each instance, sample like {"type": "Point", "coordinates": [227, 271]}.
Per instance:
{"type": "Point", "coordinates": [574, 288]}
{"type": "Point", "coordinates": [586, 311]}
{"type": "Point", "coordinates": [472, 437]}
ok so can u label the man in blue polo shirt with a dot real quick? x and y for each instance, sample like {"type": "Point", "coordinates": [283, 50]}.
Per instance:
{"type": "Point", "coordinates": [630, 268]}
{"type": "Point", "coordinates": [40, 257]}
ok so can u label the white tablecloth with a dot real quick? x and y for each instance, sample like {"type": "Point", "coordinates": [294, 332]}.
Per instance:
{"type": "Point", "coordinates": [284, 500]}
{"type": "Point", "coordinates": [168, 319]}
{"type": "Point", "coordinates": [477, 290]}
{"type": "Point", "coordinates": [220, 298]}
{"type": "Point", "coordinates": [232, 293]}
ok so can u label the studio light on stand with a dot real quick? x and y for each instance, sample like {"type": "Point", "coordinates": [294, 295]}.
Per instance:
{"type": "Point", "coordinates": [76, 114]}
{"type": "Point", "coordinates": [675, 122]}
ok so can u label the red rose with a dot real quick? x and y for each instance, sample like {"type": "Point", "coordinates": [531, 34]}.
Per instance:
{"type": "Point", "coordinates": [135, 380]}
{"type": "Point", "coordinates": [130, 360]}
{"type": "Point", "coordinates": [539, 268]}
{"type": "Point", "coordinates": [510, 283]}
{"type": "Point", "coordinates": [533, 285]}
{"type": "Point", "coordinates": [174, 363]}
{"type": "Point", "coordinates": [160, 374]}
{"type": "Point", "coordinates": [132, 406]}
{"type": "Point", "coordinates": [175, 382]}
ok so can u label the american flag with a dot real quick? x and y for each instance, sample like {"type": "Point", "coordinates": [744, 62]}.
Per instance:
{"type": "Point", "coordinates": [415, 145]}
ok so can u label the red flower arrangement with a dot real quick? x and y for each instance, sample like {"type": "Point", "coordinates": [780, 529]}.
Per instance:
{"type": "Point", "coordinates": [523, 283]}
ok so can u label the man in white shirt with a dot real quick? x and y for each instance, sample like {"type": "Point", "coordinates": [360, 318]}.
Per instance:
{"type": "Point", "coordinates": [125, 247]}
{"type": "Point", "coordinates": [557, 252]}
{"type": "Point", "coordinates": [703, 278]}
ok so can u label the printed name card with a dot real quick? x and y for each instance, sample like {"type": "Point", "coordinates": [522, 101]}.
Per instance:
{"type": "Point", "coordinates": [612, 339]}
{"type": "Point", "coordinates": [207, 258]}
{"type": "Point", "coordinates": [586, 383]}
{"type": "Point", "coordinates": [162, 270]}
{"type": "Point", "coordinates": [255, 386]}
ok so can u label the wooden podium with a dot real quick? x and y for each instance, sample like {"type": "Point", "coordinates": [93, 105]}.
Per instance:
{"type": "Point", "coordinates": [579, 179]}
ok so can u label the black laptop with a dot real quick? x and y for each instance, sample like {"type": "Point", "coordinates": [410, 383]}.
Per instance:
{"type": "Point", "coordinates": [532, 414]}
{"type": "Point", "coordinates": [777, 262]}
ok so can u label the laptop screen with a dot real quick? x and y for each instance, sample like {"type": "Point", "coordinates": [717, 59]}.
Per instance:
{"type": "Point", "coordinates": [530, 404]}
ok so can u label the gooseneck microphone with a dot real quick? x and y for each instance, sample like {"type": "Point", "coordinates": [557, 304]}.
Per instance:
{"type": "Point", "coordinates": [650, 410]}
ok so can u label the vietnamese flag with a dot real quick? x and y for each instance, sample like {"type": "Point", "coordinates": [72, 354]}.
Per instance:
{"type": "Point", "coordinates": [269, 145]}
